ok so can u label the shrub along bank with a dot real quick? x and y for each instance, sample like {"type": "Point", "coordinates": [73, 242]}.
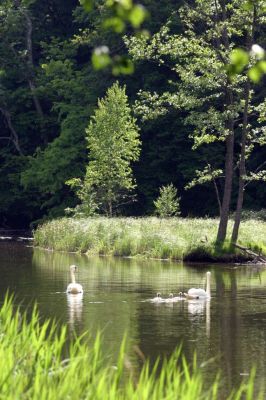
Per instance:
{"type": "Point", "coordinates": [151, 237]}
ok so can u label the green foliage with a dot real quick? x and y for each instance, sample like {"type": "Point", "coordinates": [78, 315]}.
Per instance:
{"type": "Point", "coordinates": [120, 13]}
{"type": "Point", "coordinates": [89, 204]}
{"type": "Point", "coordinates": [35, 367]}
{"type": "Point", "coordinates": [87, 4]}
{"type": "Point", "coordinates": [63, 36]}
{"type": "Point", "coordinates": [259, 215]}
{"type": "Point", "coordinates": [64, 157]}
{"type": "Point", "coordinates": [200, 91]}
{"type": "Point", "coordinates": [171, 238]}
{"type": "Point", "coordinates": [113, 143]}
{"type": "Point", "coordinates": [239, 59]}
{"type": "Point", "coordinates": [167, 203]}
{"type": "Point", "coordinates": [200, 84]}
{"type": "Point", "coordinates": [204, 176]}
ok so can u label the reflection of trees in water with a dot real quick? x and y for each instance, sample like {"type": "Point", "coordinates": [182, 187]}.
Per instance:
{"type": "Point", "coordinates": [229, 326]}
{"type": "Point", "coordinates": [223, 327]}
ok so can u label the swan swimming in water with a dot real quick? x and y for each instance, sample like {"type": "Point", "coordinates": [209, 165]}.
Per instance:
{"type": "Point", "coordinates": [157, 299]}
{"type": "Point", "coordinates": [74, 287]}
{"type": "Point", "coordinates": [200, 293]}
{"type": "Point", "coordinates": [174, 299]}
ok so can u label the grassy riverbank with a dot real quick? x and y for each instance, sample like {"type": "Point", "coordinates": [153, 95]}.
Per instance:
{"type": "Point", "coordinates": [173, 238]}
{"type": "Point", "coordinates": [34, 366]}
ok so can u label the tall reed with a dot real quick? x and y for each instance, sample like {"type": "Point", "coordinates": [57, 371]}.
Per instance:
{"type": "Point", "coordinates": [172, 238]}
{"type": "Point", "coordinates": [34, 366]}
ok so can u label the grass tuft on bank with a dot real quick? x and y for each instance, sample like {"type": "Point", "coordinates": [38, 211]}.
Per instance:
{"type": "Point", "coordinates": [34, 366]}
{"type": "Point", "coordinates": [171, 238]}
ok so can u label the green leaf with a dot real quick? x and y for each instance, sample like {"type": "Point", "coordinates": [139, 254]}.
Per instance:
{"type": "Point", "coordinates": [116, 24]}
{"type": "Point", "coordinates": [137, 15]}
{"type": "Point", "coordinates": [238, 61]}
{"type": "Point", "coordinates": [120, 6]}
{"type": "Point", "coordinates": [100, 58]}
{"type": "Point", "coordinates": [87, 4]}
{"type": "Point", "coordinates": [256, 72]}
{"type": "Point", "coordinates": [248, 5]}
{"type": "Point", "coordinates": [239, 58]}
{"type": "Point", "coordinates": [126, 4]}
{"type": "Point", "coordinates": [262, 66]}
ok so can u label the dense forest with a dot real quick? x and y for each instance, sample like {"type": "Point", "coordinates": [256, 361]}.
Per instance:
{"type": "Point", "coordinates": [49, 91]}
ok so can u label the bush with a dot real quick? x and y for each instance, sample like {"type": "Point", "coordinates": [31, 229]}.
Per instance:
{"type": "Point", "coordinates": [167, 204]}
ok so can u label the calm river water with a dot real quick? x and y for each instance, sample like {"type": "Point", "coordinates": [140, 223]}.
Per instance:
{"type": "Point", "coordinates": [228, 333]}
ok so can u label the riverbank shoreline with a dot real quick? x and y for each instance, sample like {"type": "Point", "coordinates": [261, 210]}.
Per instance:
{"type": "Point", "coordinates": [176, 239]}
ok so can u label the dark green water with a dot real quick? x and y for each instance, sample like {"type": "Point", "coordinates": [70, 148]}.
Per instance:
{"type": "Point", "coordinates": [228, 333]}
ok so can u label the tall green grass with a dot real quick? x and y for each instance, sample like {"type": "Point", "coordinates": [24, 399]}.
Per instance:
{"type": "Point", "coordinates": [34, 365]}
{"type": "Point", "coordinates": [172, 238]}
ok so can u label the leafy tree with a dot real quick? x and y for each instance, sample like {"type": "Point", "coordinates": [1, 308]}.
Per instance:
{"type": "Point", "coordinates": [89, 205]}
{"type": "Point", "coordinates": [167, 204]}
{"type": "Point", "coordinates": [199, 58]}
{"type": "Point", "coordinates": [49, 90]}
{"type": "Point", "coordinates": [113, 143]}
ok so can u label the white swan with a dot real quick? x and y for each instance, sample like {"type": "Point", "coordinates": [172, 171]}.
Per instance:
{"type": "Point", "coordinates": [200, 293]}
{"type": "Point", "coordinates": [158, 298]}
{"type": "Point", "coordinates": [174, 299]}
{"type": "Point", "coordinates": [74, 287]}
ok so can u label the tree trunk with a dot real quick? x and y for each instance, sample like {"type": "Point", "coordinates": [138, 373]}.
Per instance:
{"type": "Point", "coordinates": [242, 166]}
{"type": "Point", "coordinates": [30, 65]}
{"type": "Point", "coordinates": [229, 167]}
{"type": "Point", "coordinates": [216, 189]}
{"type": "Point", "coordinates": [30, 62]}
{"type": "Point", "coordinates": [13, 134]}
{"type": "Point", "coordinates": [110, 208]}
{"type": "Point", "coordinates": [242, 162]}
{"type": "Point", "coordinates": [229, 156]}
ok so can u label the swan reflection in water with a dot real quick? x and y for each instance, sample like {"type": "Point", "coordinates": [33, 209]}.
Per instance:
{"type": "Point", "coordinates": [75, 305]}
{"type": "Point", "coordinates": [197, 308]}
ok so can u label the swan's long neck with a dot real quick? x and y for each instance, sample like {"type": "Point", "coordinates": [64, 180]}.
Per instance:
{"type": "Point", "coordinates": [73, 279]}
{"type": "Point", "coordinates": [208, 284]}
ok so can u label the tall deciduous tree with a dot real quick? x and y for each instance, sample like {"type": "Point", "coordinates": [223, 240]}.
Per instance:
{"type": "Point", "coordinates": [199, 58]}
{"type": "Point", "coordinates": [113, 143]}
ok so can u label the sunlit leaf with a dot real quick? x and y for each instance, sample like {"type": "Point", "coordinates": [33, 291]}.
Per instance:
{"type": "Point", "coordinates": [116, 24]}
{"type": "Point", "coordinates": [122, 4]}
{"type": "Point", "coordinates": [248, 5]}
{"type": "Point", "coordinates": [87, 4]}
{"type": "Point", "coordinates": [255, 74]}
{"type": "Point", "coordinates": [101, 58]}
{"type": "Point", "coordinates": [137, 15]}
{"type": "Point", "coordinates": [127, 4]}
{"type": "Point", "coordinates": [238, 61]}
{"type": "Point", "coordinates": [262, 66]}
{"type": "Point", "coordinates": [239, 58]}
